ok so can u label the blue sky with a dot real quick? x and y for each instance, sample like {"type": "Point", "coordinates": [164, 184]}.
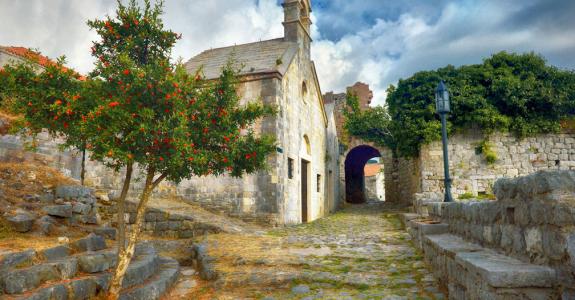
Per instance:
{"type": "Point", "coordinates": [374, 41]}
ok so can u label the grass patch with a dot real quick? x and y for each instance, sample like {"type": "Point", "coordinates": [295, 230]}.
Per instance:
{"type": "Point", "coordinates": [6, 230]}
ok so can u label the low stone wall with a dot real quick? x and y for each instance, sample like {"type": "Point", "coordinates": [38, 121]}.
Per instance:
{"type": "Point", "coordinates": [160, 223]}
{"type": "Point", "coordinates": [470, 172]}
{"type": "Point", "coordinates": [531, 226]}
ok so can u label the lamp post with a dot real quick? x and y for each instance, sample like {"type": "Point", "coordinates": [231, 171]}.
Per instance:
{"type": "Point", "coordinates": [443, 108]}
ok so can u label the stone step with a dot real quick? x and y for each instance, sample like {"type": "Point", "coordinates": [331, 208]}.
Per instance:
{"type": "Point", "coordinates": [144, 267]}
{"type": "Point", "coordinates": [28, 257]}
{"type": "Point", "coordinates": [459, 263]}
{"type": "Point", "coordinates": [146, 263]}
{"type": "Point", "coordinates": [155, 287]}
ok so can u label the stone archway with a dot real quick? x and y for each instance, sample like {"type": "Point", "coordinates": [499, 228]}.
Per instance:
{"type": "Point", "coordinates": [355, 162]}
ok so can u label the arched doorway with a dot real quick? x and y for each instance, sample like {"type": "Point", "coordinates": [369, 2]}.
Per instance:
{"type": "Point", "coordinates": [355, 162]}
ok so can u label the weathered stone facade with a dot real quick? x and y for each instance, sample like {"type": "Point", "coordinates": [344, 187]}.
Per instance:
{"type": "Point", "coordinates": [471, 174]}
{"type": "Point", "coordinates": [277, 72]}
{"type": "Point", "coordinates": [518, 246]}
{"type": "Point", "coordinates": [515, 157]}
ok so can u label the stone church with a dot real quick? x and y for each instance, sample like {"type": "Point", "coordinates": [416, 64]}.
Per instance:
{"type": "Point", "coordinates": [301, 183]}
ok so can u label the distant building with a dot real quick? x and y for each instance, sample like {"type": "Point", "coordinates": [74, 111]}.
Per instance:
{"type": "Point", "coordinates": [301, 183]}
{"type": "Point", "coordinates": [14, 55]}
{"type": "Point", "coordinates": [364, 95]}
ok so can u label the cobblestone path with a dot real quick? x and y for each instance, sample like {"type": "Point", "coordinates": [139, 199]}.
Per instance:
{"type": "Point", "coordinates": [361, 252]}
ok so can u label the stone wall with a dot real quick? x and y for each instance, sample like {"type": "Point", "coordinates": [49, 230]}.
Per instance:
{"type": "Point", "coordinates": [533, 221]}
{"type": "Point", "coordinates": [160, 222]}
{"type": "Point", "coordinates": [515, 157]}
{"type": "Point", "coordinates": [266, 197]}
{"type": "Point", "coordinates": [402, 178]}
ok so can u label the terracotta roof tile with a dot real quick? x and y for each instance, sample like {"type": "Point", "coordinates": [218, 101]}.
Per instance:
{"type": "Point", "coordinates": [371, 169]}
{"type": "Point", "coordinates": [34, 57]}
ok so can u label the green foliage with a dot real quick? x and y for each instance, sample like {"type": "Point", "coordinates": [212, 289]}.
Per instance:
{"type": "Point", "coordinates": [138, 106]}
{"type": "Point", "coordinates": [466, 196]}
{"type": "Point", "coordinates": [47, 100]}
{"type": "Point", "coordinates": [518, 93]}
{"type": "Point", "coordinates": [480, 196]}
{"type": "Point", "coordinates": [486, 149]}
{"type": "Point", "coordinates": [372, 124]}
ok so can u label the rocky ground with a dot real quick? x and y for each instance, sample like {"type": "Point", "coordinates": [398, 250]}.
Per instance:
{"type": "Point", "coordinates": [360, 252]}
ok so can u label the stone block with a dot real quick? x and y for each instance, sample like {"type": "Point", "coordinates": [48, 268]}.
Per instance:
{"type": "Point", "coordinates": [160, 226]}
{"type": "Point", "coordinates": [534, 240]}
{"type": "Point", "coordinates": [63, 211]}
{"type": "Point", "coordinates": [85, 288]}
{"type": "Point", "coordinates": [67, 268]}
{"type": "Point", "coordinates": [55, 253]}
{"type": "Point", "coordinates": [21, 222]}
{"type": "Point", "coordinates": [521, 214]}
{"type": "Point", "coordinates": [501, 271]}
{"type": "Point", "coordinates": [175, 225]}
{"type": "Point", "coordinates": [106, 232]}
{"type": "Point", "coordinates": [90, 243]}
{"type": "Point", "coordinates": [81, 208]}
{"type": "Point", "coordinates": [22, 280]}
{"type": "Point", "coordinates": [11, 260]}
{"type": "Point", "coordinates": [571, 249]}
{"type": "Point", "coordinates": [554, 244]}
{"type": "Point", "coordinates": [94, 263]}
{"type": "Point", "coordinates": [73, 191]}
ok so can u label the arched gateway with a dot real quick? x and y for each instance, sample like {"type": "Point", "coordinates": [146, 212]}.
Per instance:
{"type": "Point", "coordinates": [355, 161]}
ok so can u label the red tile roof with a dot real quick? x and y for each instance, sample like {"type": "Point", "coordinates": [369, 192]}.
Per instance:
{"type": "Point", "coordinates": [371, 170]}
{"type": "Point", "coordinates": [35, 57]}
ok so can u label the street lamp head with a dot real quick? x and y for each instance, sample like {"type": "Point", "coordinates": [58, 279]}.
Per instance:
{"type": "Point", "coordinates": [442, 99]}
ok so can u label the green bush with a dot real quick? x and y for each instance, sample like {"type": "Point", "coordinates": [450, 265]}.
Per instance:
{"type": "Point", "coordinates": [486, 149]}
{"type": "Point", "coordinates": [508, 92]}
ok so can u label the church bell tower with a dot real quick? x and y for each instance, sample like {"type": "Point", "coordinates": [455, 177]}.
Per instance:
{"type": "Point", "coordinates": [297, 24]}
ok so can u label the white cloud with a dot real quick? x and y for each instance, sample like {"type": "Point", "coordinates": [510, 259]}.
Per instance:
{"type": "Point", "coordinates": [58, 27]}
{"type": "Point", "coordinates": [463, 34]}
{"type": "Point", "coordinates": [421, 35]}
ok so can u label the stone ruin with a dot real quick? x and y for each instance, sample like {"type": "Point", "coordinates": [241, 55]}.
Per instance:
{"type": "Point", "coordinates": [521, 246]}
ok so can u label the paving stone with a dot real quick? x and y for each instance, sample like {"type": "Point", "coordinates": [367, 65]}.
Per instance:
{"type": "Point", "coordinates": [64, 210]}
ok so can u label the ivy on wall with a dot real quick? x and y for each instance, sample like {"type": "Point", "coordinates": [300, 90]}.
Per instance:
{"type": "Point", "coordinates": [508, 92]}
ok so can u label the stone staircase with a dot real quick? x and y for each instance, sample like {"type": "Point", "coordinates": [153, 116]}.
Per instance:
{"type": "Point", "coordinates": [81, 270]}
{"type": "Point", "coordinates": [468, 270]}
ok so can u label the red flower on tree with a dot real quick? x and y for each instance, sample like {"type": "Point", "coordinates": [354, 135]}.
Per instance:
{"type": "Point", "coordinates": [113, 104]}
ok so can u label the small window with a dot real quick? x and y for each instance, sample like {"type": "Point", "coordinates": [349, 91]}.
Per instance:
{"type": "Point", "coordinates": [304, 88]}
{"type": "Point", "coordinates": [290, 168]}
{"type": "Point", "coordinates": [318, 183]}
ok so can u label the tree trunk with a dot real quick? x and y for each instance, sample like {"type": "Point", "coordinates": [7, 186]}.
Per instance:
{"type": "Point", "coordinates": [83, 170]}
{"type": "Point", "coordinates": [121, 206]}
{"type": "Point", "coordinates": [125, 255]}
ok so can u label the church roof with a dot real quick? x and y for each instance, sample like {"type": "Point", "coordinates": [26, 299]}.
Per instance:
{"type": "Point", "coordinates": [271, 56]}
